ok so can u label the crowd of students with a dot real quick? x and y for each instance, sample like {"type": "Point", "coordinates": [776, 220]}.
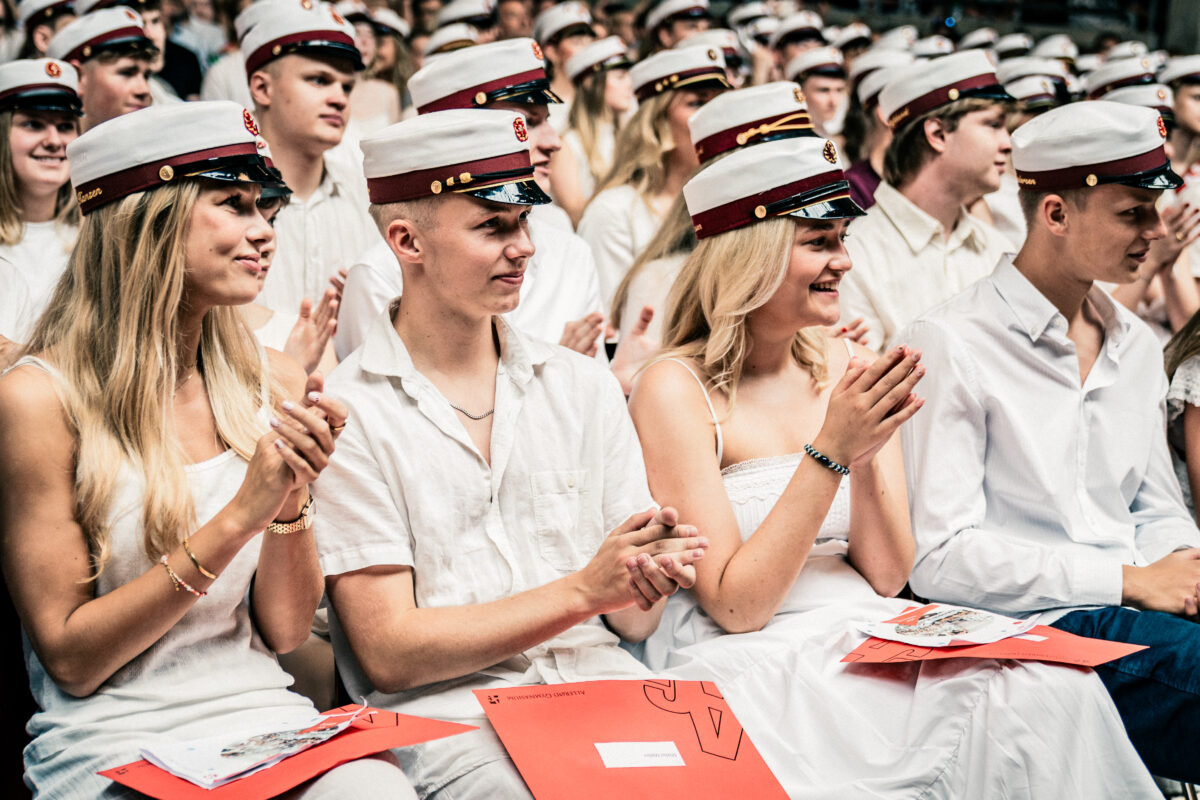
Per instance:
{"type": "Point", "coordinates": [496, 345]}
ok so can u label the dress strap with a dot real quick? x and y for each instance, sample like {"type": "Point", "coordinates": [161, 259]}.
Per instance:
{"type": "Point", "coordinates": [849, 347]}
{"type": "Point", "coordinates": [712, 412]}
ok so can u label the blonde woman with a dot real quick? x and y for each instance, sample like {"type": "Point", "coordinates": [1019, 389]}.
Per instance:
{"type": "Point", "coordinates": [603, 97]}
{"type": "Point", "coordinates": [750, 421]}
{"type": "Point", "coordinates": [147, 444]}
{"type": "Point", "coordinates": [39, 117]}
{"type": "Point", "coordinates": [393, 58]}
{"type": "Point", "coordinates": [653, 158]}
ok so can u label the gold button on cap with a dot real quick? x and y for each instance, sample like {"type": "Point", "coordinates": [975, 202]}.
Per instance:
{"type": "Point", "coordinates": [1091, 180]}
{"type": "Point", "coordinates": [953, 94]}
{"type": "Point", "coordinates": [166, 172]}
{"type": "Point", "coordinates": [760, 212]}
{"type": "Point", "coordinates": [436, 187]}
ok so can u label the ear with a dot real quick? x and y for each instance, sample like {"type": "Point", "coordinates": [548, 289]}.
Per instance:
{"type": "Point", "coordinates": [406, 241]}
{"type": "Point", "coordinates": [83, 76]}
{"type": "Point", "coordinates": [40, 37]}
{"type": "Point", "coordinates": [260, 88]}
{"type": "Point", "coordinates": [664, 39]}
{"type": "Point", "coordinates": [935, 134]}
{"type": "Point", "coordinates": [877, 111]}
{"type": "Point", "coordinates": [1054, 213]}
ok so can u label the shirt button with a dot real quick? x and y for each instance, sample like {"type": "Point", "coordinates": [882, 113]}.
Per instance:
{"type": "Point", "coordinates": [570, 483]}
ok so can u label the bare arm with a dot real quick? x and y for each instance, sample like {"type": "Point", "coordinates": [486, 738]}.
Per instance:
{"type": "Point", "coordinates": [881, 541]}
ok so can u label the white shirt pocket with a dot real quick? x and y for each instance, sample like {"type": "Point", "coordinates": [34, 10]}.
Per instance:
{"type": "Point", "coordinates": [557, 496]}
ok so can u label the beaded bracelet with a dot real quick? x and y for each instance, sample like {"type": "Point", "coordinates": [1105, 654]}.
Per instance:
{"type": "Point", "coordinates": [196, 561]}
{"type": "Point", "coordinates": [826, 461]}
{"type": "Point", "coordinates": [178, 581]}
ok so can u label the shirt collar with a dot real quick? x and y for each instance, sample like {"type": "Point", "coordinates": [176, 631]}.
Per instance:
{"type": "Point", "coordinates": [1036, 314]}
{"type": "Point", "coordinates": [919, 228]}
{"type": "Point", "coordinates": [384, 353]}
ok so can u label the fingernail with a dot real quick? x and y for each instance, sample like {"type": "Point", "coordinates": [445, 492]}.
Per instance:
{"type": "Point", "coordinates": [697, 554]}
{"type": "Point", "coordinates": [702, 541]}
{"type": "Point", "coordinates": [921, 370]}
{"type": "Point", "coordinates": [313, 397]}
{"type": "Point", "coordinates": [915, 355]}
{"type": "Point", "coordinates": [279, 445]}
{"type": "Point", "coordinates": [288, 405]}
{"type": "Point", "coordinates": [643, 559]}
{"type": "Point", "coordinates": [275, 423]}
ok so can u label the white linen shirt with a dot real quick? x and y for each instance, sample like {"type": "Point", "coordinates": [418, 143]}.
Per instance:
{"type": "Point", "coordinates": [316, 237]}
{"type": "Point", "coordinates": [226, 80]}
{"type": "Point", "coordinates": [560, 286]}
{"type": "Point", "coordinates": [409, 487]}
{"type": "Point", "coordinates": [617, 225]}
{"type": "Point", "coordinates": [16, 307]}
{"type": "Point", "coordinates": [903, 264]}
{"type": "Point", "coordinates": [1029, 491]}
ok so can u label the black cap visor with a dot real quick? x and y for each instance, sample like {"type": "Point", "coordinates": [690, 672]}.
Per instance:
{"type": "Point", "coordinates": [1162, 178]}
{"type": "Point", "coordinates": [325, 49]}
{"type": "Point", "coordinates": [45, 100]}
{"type": "Point", "coordinates": [520, 192]}
{"type": "Point", "coordinates": [138, 46]}
{"type": "Point", "coordinates": [534, 93]}
{"type": "Point", "coordinates": [831, 201]}
{"type": "Point", "coordinates": [234, 169]}
{"type": "Point", "coordinates": [994, 91]}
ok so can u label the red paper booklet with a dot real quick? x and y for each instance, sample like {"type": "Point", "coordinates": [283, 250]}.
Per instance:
{"type": "Point", "coordinates": [382, 730]}
{"type": "Point", "coordinates": [600, 740]}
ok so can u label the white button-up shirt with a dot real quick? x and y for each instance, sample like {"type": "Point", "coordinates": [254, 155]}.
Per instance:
{"type": "Point", "coordinates": [617, 225]}
{"type": "Point", "coordinates": [1028, 490]}
{"type": "Point", "coordinates": [408, 487]}
{"type": "Point", "coordinates": [316, 237]}
{"type": "Point", "coordinates": [905, 265]}
{"type": "Point", "coordinates": [560, 286]}
{"type": "Point", "coordinates": [16, 307]}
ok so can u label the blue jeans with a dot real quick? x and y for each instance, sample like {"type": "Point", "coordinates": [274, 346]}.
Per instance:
{"type": "Point", "coordinates": [1156, 691]}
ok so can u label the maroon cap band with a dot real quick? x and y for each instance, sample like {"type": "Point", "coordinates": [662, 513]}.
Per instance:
{"type": "Point", "coordinates": [1090, 174]}
{"type": "Point", "coordinates": [678, 80]}
{"type": "Point", "coordinates": [428, 182]}
{"type": "Point", "coordinates": [940, 97]}
{"type": "Point", "coordinates": [274, 48]}
{"type": "Point", "coordinates": [1134, 80]}
{"type": "Point", "coordinates": [31, 88]}
{"type": "Point", "coordinates": [104, 190]}
{"type": "Point", "coordinates": [467, 98]}
{"type": "Point", "coordinates": [723, 141]}
{"type": "Point", "coordinates": [85, 49]}
{"type": "Point", "coordinates": [742, 211]}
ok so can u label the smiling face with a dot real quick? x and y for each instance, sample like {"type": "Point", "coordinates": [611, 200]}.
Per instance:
{"type": "Point", "coordinates": [976, 152]}
{"type": "Point", "coordinates": [1109, 231]}
{"type": "Point", "coordinates": [808, 294]}
{"type": "Point", "coordinates": [37, 142]}
{"type": "Point", "coordinates": [227, 237]}
{"type": "Point", "coordinates": [543, 139]}
{"type": "Point", "coordinates": [112, 87]}
{"type": "Point", "coordinates": [306, 99]}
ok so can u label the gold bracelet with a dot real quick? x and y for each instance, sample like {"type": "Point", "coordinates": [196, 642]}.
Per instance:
{"type": "Point", "coordinates": [179, 582]}
{"type": "Point", "coordinates": [196, 561]}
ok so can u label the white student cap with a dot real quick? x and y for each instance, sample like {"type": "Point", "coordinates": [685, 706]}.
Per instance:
{"type": "Point", "coordinates": [511, 70]}
{"type": "Point", "coordinates": [722, 39]}
{"type": "Point", "coordinates": [870, 85]}
{"type": "Point", "coordinates": [1081, 145]}
{"type": "Point", "coordinates": [687, 67]}
{"type": "Point", "coordinates": [1033, 92]}
{"type": "Point", "coordinates": [798, 27]}
{"type": "Point", "coordinates": [389, 23]}
{"type": "Point", "coordinates": [980, 37]}
{"type": "Point", "coordinates": [1181, 69]}
{"type": "Point", "coordinates": [39, 84]}
{"type": "Point", "coordinates": [1150, 95]}
{"type": "Point", "coordinates": [675, 8]}
{"type": "Point", "coordinates": [763, 28]}
{"type": "Point", "coordinates": [353, 11]}
{"type": "Point", "coordinates": [1056, 45]}
{"type": "Point", "coordinates": [571, 16]}
{"type": "Point", "coordinates": [480, 152]}
{"type": "Point", "coordinates": [900, 38]}
{"type": "Point", "coordinates": [255, 13]}
{"type": "Point", "coordinates": [608, 53]}
{"type": "Point", "coordinates": [116, 29]}
{"type": "Point", "coordinates": [300, 27]}
{"type": "Point", "coordinates": [926, 85]}
{"type": "Point", "coordinates": [826, 61]}
{"type": "Point", "coordinates": [748, 116]}
{"type": "Point", "coordinates": [1115, 74]}
{"type": "Point", "coordinates": [1127, 49]}
{"type": "Point", "coordinates": [150, 148]}
{"type": "Point", "coordinates": [1013, 44]}
{"type": "Point", "coordinates": [1024, 66]}
{"type": "Point", "coordinates": [32, 13]}
{"type": "Point", "coordinates": [854, 33]}
{"type": "Point", "coordinates": [932, 47]}
{"type": "Point", "coordinates": [794, 177]}
{"type": "Point", "coordinates": [475, 12]}
{"type": "Point", "coordinates": [449, 38]}
{"type": "Point", "coordinates": [1088, 62]}
{"type": "Point", "coordinates": [876, 58]}
{"type": "Point", "coordinates": [746, 13]}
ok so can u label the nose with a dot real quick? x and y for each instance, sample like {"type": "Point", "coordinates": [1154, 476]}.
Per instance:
{"type": "Point", "coordinates": [521, 246]}
{"type": "Point", "coordinates": [548, 140]}
{"type": "Point", "coordinates": [1156, 230]}
{"type": "Point", "coordinates": [1005, 141]}
{"type": "Point", "coordinates": [261, 233]}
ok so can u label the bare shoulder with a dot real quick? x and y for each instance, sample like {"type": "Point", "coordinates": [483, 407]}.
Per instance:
{"type": "Point", "coordinates": [34, 422]}
{"type": "Point", "coordinates": [287, 372]}
{"type": "Point", "coordinates": [670, 386]}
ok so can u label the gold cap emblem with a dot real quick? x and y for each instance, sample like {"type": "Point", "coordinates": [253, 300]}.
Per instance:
{"type": "Point", "coordinates": [830, 152]}
{"type": "Point", "coordinates": [166, 172]}
{"type": "Point", "coordinates": [1091, 179]}
{"type": "Point", "coordinates": [799, 95]}
{"type": "Point", "coordinates": [53, 70]}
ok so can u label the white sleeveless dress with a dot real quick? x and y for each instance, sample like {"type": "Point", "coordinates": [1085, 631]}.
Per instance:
{"type": "Point", "coordinates": [959, 728]}
{"type": "Point", "coordinates": [208, 674]}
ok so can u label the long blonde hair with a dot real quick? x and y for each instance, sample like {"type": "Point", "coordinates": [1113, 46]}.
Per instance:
{"type": "Point", "coordinates": [111, 331]}
{"type": "Point", "coordinates": [724, 279]}
{"type": "Point", "coordinates": [639, 157]}
{"type": "Point", "coordinates": [12, 225]}
{"type": "Point", "coordinates": [589, 117]}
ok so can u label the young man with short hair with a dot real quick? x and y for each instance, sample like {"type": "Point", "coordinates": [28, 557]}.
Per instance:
{"type": "Point", "coordinates": [301, 65]}
{"type": "Point", "coordinates": [671, 21]}
{"type": "Point", "coordinates": [41, 20]}
{"type": "Point", "coordinates": [110, 49]}
{"type": "Point", "coordinates": [1039, 475]}
{"type": "Point", "coordinates": [821, 74]}
{"type": "Point", "coordinates": [491, 504]}
{"type": "Point", "coordinates": [918, 246]}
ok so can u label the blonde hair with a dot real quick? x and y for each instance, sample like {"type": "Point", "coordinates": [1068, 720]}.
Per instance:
{"type": "Point", "coordinates": [589, 115]}
{"type": "Point", "coordinates": [110, 330]}
{"type": "Point", "coordinates": [639, 158]}
{"type": "Point", "coordinates": [724, 279]}
{"type": "Point", "coordinates": [675, 235]}
{"type": "Point", "coordinates": [12, 225]}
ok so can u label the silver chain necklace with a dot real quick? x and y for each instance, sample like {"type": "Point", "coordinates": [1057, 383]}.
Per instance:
{"type": "Point", "coordinates": [484, 415]}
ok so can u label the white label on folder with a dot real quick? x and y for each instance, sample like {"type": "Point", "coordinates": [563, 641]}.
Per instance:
{"type": "Point", "coordinates": [639, 754]}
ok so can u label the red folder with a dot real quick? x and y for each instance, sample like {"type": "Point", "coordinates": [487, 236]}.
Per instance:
{"type": "Point", "coordinates": [381, 731]}
{"type": "Point", "coordinates": [1050, 644]}
{"type": "Point", "coordinates": [600, 740]}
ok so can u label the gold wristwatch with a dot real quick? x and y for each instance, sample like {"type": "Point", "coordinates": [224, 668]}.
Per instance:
{"type": "Point", "coordinates": [301, 523]}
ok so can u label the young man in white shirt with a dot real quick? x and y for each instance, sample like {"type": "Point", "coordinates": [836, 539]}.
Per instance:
{"type": "Point", "coordinates": [918, 246]}
{"type": "Point", "coordinates": [301, 64]}
{"type": "Point", "coordinates": [1039, 475]}
{"type": "Point", "coordinates": [482, 469]}
{"type": "Point", "coordinates": [560, 301]}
